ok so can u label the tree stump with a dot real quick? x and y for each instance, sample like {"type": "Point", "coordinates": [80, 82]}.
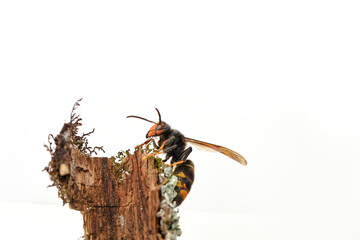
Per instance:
{"type": "Point", "coordinates": [119, 197]}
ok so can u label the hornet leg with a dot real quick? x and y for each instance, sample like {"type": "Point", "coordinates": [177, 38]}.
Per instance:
{"type": "Point", "coordinates": [147, 141]}
{"type": "Point", "coordinates": [161, 149]}
{"type": "Point", "coordinates": [181, 159]}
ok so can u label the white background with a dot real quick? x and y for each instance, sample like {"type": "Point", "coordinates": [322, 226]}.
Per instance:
{"type": "Point", "coordinates": [276, 81]}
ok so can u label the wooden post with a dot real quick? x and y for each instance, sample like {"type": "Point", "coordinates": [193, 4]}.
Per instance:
{"type": "Point", "coordinates": [119, 197]}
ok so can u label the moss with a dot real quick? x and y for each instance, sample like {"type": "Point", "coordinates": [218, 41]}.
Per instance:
{"type": "Point", "coordinates": [118, 163]}
{"type": "Point", "coordinates": [81, 142]}
{"type": "Point", "coordinates": [157, 163]}
{"type": "Point", "coordinates": [60, 147]}
{"type": "Point", "coordinates": [150, 148]}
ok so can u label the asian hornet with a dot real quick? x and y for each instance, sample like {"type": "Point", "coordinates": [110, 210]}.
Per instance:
{"type": "Point", "coordinates": [173, 143]}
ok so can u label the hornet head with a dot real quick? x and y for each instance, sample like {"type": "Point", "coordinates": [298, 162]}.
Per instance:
{"type": "Point", "coordinates": [158, 128]}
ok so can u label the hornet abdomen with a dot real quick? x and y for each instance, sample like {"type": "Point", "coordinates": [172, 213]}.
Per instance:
{"type": "Point", "coordinates": [185, 174]}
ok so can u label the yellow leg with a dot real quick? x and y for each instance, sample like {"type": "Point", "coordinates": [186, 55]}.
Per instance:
{"type": "Point", "coordinates": [173, 164]}
{"type": "Point", "coordinates": [152, 154]}
{"type": "Point", "coordinates": [146, 142]}
{"type": "Point", "coordinates": [159, 151]}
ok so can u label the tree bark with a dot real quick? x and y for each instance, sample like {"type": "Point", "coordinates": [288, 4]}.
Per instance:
{"type": "Point", "coordinates": [119, 197]}
{"type": "Point", "coordinates": [113, 210]}
{"type": "Point", "coordinates": [122, 197]}
{"type": "Point", "coordinates": [117, 200]}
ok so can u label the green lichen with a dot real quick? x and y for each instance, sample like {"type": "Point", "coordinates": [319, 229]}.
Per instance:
{"type": "Point", "coordinates": [168, 213]}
